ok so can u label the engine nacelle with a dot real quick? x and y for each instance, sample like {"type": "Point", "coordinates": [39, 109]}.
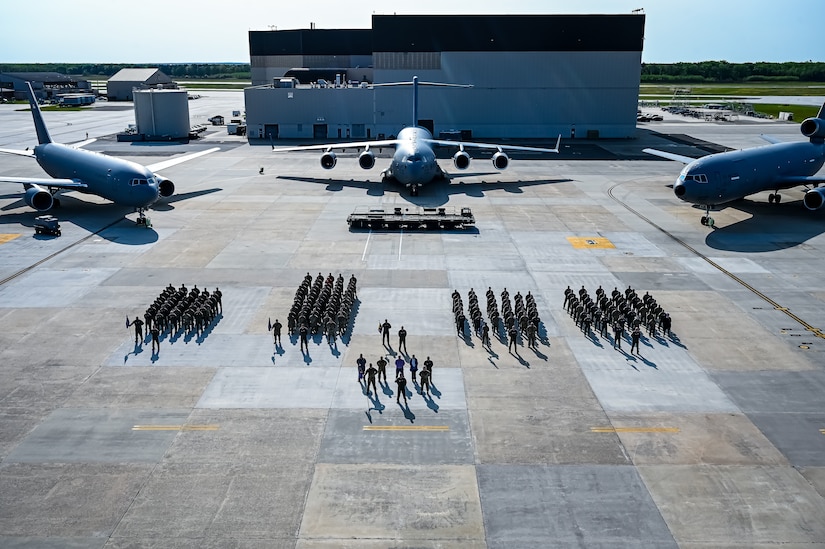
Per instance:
{"type": "Point", "coordinates": [814, 199]}
{"type": "Point", "coordinates": [165, 187]}
{"type": "Point", "coordinates": [813, 128]}
{"type": "Point", "coordinates": [366, 160]}
{"type": "Point", "coordinates": [38, 198]}
{"type": "Point", "coordinates": [500, 161]}
{"type": "Point", "coordinates": [461, 160]}
{"type": "Point", "coordinates": [328, 160]}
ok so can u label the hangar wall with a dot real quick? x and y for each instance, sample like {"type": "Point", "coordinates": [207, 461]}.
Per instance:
{"type": "Point", "coordinates": [587, 87]}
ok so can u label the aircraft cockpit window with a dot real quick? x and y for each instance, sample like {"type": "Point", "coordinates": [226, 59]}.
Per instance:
{"type": "Point", "coordinates": [414, 158]}
{"type": "Point", "coordinates": [700, 178]}
{"type": "Point", "coordinates": [139, 182]}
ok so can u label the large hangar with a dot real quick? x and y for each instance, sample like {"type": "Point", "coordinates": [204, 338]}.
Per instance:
{"type": "Point", "coordinates": [532, 76]}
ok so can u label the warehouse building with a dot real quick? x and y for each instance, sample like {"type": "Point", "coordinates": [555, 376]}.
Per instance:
{"type": "Point", "coordinates": [46, 85]}
{"type": "Point", "coordinates": [532, 76]}
{"type": "Point", "coordinates": [119, 87]}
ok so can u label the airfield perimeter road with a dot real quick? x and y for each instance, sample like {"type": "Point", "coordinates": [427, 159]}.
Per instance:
{"type": "Point", "coordinates": [714, 438]}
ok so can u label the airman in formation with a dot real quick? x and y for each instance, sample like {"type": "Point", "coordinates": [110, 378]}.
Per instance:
{"type": "Point", "coordinates": [180, 309]}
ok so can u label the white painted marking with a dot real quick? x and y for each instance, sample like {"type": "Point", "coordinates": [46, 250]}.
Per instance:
{"type": "Point", "coordinates": [366, 245]}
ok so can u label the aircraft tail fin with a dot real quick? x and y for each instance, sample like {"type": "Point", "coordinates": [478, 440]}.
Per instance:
{"type": "Point", "coordinates": [821, 113]}
{"type": "Point", "coordinates": [39, 125]}
{"type": "Point", "coordinates": [415, 83]}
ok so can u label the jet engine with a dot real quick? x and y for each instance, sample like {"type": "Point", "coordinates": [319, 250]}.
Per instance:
{"type": "Point", "coordinates": [500, 161]}
{"type": "Point", "coordinates": [165, 187]}
{"type": "Point", "coordinates": [38, 198]}
{"type": "Point", "coordinates": [461, 160]}
{"type": "Point", "coordinates": [813, 128]}
{"type": "Point", "coordinates": [814, 199]}
{"type": "Point", "coordinates": [328, 160]}
{"type": "Point", "coordinates": [366, 160]}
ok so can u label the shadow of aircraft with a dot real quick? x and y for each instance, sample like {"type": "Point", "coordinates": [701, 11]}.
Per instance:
{"type": "Point", "coordinates": [432, 195]}
{"type": "Point", "coordinates": [769, 228]}
{"type": "Point", "coordinates": [107, 220]}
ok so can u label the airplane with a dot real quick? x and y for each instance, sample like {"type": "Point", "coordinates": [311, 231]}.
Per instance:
{"type": "Point", "coordinates": [73, 168]}
{"type": "Point", "coordinates": [414, 163]}
{"type": "Point", "coordinates": [722, 177]}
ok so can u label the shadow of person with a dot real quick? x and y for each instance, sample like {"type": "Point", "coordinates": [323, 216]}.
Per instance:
{"type": "Point", "coordinates": [407, 412]}
{"type": "Point", "coordinates": [431, 404]}
{"type": "Point", "coordinates": [676, 341]}
{"type": "Point", "coordinates": [541, 355]}
{"type": "Point", "coordinates": [377, 405]}
{"type": "Point", "coordinates": [434, 390]}
{"type": "Point", "coordinates": [647, 362]}
{"type": "Point", "coordinates": [307, 358]}
{"type": "Point", "coordinates": [386, 388]}
{"type": "Point", "coordinates": [279, 350]}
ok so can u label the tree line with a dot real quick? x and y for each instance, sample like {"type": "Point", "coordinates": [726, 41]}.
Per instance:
{"type": "Point", "coordinates": [705, 71]}
{"type": "Point", "coordinates": [722, 71]}
{"type": "Point", "coordinates": [212, 71]}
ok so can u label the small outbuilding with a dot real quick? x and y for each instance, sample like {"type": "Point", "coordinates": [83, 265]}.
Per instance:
{"type": "Point", "coordinates": [119, 87]}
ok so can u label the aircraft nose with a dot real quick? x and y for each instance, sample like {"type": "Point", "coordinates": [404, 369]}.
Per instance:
{"type": "Point", "coordinates": [679, 189]}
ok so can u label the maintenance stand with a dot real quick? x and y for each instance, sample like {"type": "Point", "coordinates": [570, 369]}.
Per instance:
{"type": "Point", "coordinates": [366, 217]}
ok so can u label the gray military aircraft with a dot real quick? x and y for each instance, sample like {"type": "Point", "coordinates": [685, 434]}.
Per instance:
{"type": "Point", "coordinates": [414, 163]}
{"type": "Point", "coordinates": [73, 168]}
{"type": "Point", "coordinates": [722, 177]}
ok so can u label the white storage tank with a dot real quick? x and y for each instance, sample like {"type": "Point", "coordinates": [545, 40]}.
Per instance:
{"type": "Point", "coordinates": [162, 113]}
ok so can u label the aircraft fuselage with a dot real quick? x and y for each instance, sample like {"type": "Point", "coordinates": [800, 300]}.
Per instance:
{"type": "Point", "coordinates": [723, 177]}
{"type": "Point", "coordinates": [115, 179]}
{"type": "Point", "coordinates": [414, 163]}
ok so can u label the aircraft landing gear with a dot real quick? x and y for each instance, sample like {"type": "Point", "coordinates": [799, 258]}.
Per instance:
{"type": "Point", "coordinates": [774, 198]}
{"type": "Point", "coordinates": [142, 220]}
{"type": "Point", "coordinates": [707, 220]}
{"type": "Point", "coordinates": [414, 190]}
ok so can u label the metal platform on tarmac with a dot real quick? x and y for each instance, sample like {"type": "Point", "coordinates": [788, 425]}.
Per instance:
{"type": "Point", "coordinates": [711, 438]}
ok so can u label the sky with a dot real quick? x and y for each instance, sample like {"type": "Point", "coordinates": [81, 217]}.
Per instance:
{"type": "Point", "coordinates": [203, 31]}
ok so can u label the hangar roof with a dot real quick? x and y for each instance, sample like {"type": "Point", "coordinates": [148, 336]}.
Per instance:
{"type": "Point", "coordinates": [139, 75]}
{"type": "Point", "coordinates": [429, 33]}
{"type": "Point", "coordinates": [311, 42]}
{"type": "Point", "coordinates": [434, 33]}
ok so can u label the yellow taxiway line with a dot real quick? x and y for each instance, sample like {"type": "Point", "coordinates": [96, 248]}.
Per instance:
{"type": "Point", "coordinates": [406, 428]}
{"type": "Point", "coordinates": [8, 237]}
{"type": "Point", "coordinates": [634, 429]}
{"type": "Point", "coordinates": [175, 428]}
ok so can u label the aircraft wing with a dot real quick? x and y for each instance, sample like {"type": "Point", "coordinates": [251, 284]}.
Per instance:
{"type": "Point", "coordinates": [179, 160]}
{"type": "Point", "coordinates": [339, 146]}
{"type": "Point", "coordinates": [670, 156]}
{"type": "Point", "coordinates": [770, 139]}
{"type": "Point", "coordinates": [81, 144]}
{"type": "Point", "coordinates": [803, 180]}
{"type": "Point", "coordinates": [473, 144]}
{"type": "Point", "coordinates": [27, 152]}
{"type": "Point", "coordinates": [67, 184]}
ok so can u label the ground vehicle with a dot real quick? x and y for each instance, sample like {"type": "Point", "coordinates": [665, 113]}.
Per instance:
{"type": "Point", "coordinates": [47, 224]}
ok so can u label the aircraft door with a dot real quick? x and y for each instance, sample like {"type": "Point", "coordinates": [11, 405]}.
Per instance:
{"type": "Point", "coordinates": [319, 131]}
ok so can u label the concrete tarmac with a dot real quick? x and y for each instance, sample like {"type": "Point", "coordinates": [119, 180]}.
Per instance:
{"type": "Point", "coordinates": [712, 437]}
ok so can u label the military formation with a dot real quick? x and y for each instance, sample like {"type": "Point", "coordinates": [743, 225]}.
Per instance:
{"type": "Point", "coordinates": [519, 318]}
{"type": "Point", "coordinates": [322, 306]}
{"type": "Point", "coordinates": [176, 310]}
{"type": "Point", "coordinates": [619, 312]}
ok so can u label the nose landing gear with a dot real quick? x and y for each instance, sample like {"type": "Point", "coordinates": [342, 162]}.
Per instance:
{"type": "Point", "coordinates": [142, 220]}
{"type": "Point", "coordinates": [774, 198]}
{"type": "Point", "coordinates": [707, 220]}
